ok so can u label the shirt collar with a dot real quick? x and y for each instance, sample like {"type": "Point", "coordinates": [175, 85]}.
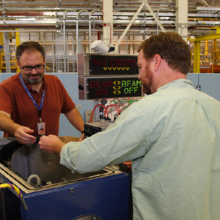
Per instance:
{"type": "Point", "coordinates": [176, 83]}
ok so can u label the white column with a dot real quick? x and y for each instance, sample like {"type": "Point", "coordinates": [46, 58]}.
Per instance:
{"type": "Point", "coordinates": [182, 18]}
{"type": "Point", "coordinates": [131, 38]}
{"type": "Point", "coordinates": [87, 45]}
{"type": "Point", "coordinates": [108, 22]}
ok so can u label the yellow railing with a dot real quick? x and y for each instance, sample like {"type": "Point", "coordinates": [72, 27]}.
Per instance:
{"type": "Point", "coordinates": [209, 61]}
{"type": "Point", "coordinates": [3, 61]}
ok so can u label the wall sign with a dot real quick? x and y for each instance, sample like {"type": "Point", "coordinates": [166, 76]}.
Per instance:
{"type": "Point", "coordinates": [113, 87]}
{"type": "Point", "coordinates": [113, 65]}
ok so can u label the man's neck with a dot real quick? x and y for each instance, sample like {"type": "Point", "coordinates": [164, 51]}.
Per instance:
{"type": "Point", "coordinates": [168, 75]}
{"type": "Point", "coordinates": [37, 87]}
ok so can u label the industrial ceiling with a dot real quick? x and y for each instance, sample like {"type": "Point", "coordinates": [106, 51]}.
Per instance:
{"type": "Point", "coordinates": [49, 14]}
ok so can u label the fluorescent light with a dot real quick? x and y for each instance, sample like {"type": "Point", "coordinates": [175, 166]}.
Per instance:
{"type": "Point", "coordinates": [208, 9]}
{"type": "Point", "coordinates": [27, 19]}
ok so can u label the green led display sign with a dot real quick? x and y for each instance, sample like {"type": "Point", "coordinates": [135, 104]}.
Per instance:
{"type": "Point", "coordinates": [113, 65]}
{"type": "Point", "coordinates": [113, 87]}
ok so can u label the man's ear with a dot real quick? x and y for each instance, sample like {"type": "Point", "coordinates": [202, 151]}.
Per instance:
{"type": "Point", "coordinates": [157, 61]}
{"type": "Point", "coordinates": [18, 64]}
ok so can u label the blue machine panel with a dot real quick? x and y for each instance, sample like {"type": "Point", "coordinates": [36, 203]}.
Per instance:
{"type": "Point", "coordinates": [210, 84]}
{"type": "Point", "coordinates": [59, 194]}
{"type": "Point", "coordinates": [193, 77]}
{"type": "Point", "coordinates": [107, 197]}
{"type": "Point", "coordinates": [207, 83]}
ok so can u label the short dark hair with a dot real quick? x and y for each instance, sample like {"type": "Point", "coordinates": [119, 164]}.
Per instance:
{"type": "Point", "coordinates": [29, 46]}
{"type": "Point", "coordinates": [171, 47]}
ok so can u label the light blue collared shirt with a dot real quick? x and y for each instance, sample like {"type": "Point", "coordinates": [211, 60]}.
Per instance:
{"type": "Point", "coordinates": [173, 139]}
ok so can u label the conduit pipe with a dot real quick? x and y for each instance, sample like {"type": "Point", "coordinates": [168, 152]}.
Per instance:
{"type": "Point", "coordinates": [90, 33]}
{"type": "Point", "coordinates": [64, 35]}
{"type": "Point", "coordinates": [154, 16]}
{"type": "Point", "coordinates": [77, 31]}
{"type": "Point", "coordinates": [53, 49]}
{"type": "Point", "coordinates": [129, 25]}
{"type": "Point", "coordinates": [158, 17]}
{"type": "Point", "coordinates": [134, 17]}
{"type": "Point", "coordinates": [205, 3]}
{"type": "Point", "coordinates": [64, 38]}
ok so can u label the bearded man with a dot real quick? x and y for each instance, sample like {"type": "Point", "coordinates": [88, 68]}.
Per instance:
{"type": "Point", "coordinates": [31, 102]}
{"type": "Point", "coordinates": [172, 137]}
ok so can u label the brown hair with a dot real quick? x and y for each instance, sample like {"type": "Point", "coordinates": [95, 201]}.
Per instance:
{"type": "Point", "coordinates": [171, 47]}
{"type": "Point", "coordinates": [29, 46]}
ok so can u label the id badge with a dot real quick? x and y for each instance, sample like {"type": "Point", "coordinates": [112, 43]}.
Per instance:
{"type": "Point", "coordinates": [41, 127]}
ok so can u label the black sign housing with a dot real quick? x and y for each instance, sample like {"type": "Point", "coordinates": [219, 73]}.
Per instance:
{"type": "Point", "coordinates": [98, 88]}
{"type": "Point", "coordinates": [113, 65]}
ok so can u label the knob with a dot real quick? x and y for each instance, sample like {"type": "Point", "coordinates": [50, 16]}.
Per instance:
{"type": "Point", "coordinates": [81, 87]}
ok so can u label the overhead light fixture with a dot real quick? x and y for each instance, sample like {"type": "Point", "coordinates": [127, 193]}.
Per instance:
{"type": "Point", "coordinates": [49, 13]}
{"type": "Point", "coordinates": [208, 9]}
{"type": "Point", "coordinates": [27, 19]}
{"type": "Point", "coordinates": [165, 18]}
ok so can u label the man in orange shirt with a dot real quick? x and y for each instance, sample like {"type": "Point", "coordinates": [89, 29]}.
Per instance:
{"type": "Point", "coordinates": [30, 100]}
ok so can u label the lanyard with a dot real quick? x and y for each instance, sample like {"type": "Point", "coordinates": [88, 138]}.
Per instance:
{"type": "Point", "coordinates": [31, 97]}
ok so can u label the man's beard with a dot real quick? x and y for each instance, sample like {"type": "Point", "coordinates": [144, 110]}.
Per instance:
{"type": "Point", "coordinates": [35, 81]}
{"type": "Point", "coordinates": [147, 83]}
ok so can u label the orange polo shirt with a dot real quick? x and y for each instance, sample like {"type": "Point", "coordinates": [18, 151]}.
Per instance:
{"type": "Point", "coordinates": [15, 101]}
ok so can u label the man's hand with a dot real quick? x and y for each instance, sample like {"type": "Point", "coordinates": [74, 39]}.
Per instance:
{"type": "Point", "coordinates": [51, 144]}
{"type": "Point", "coordinates": [82, 137]}
{"type": "Point", "coordinates": [128, 164]}
{"type": "Point", "coordinates": [22, 135]}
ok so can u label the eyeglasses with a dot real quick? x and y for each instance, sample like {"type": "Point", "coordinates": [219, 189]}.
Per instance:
{"type": "Point", "coordinates": [29, 68]}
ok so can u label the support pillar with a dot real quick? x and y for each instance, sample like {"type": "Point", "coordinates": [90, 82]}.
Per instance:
{"type": "Point", "coordinates": [182, 18]}
{"type": "Point", "coordinates": [108, 22]}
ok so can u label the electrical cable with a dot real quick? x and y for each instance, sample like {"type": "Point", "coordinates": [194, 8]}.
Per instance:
{"type": "Point", "coordinates": [16, 189]}
{"type": "Point", "coordinates": [114, 106]}
{"type": "Point", "coordinates": [95, 108]}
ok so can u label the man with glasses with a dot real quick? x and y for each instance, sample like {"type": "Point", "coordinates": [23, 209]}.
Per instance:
{"type": "Point", "coordinates": [31, 102]}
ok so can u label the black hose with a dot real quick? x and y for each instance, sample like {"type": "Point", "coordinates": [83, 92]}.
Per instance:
{"type": "Point", "coordinates": [8, 149]}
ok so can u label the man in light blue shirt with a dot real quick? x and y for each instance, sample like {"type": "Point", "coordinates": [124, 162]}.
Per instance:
{"type": "Point", "coordinates": [172, 137]}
